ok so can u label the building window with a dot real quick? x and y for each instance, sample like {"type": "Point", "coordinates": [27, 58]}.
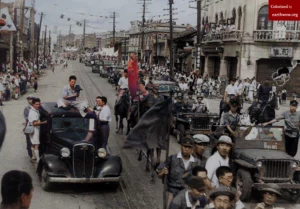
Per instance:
{"type": "Point", "coordinates": [263, 23]}
{"type": "Point", "coordinates": [290, 25]}
{"type": "Point", "coordinates": [240, 13]}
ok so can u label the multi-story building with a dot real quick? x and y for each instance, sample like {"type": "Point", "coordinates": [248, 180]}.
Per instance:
{"type": "Point", "coordinates": [156, 35]}
{"type": "Point", "coordinates": [239, 40]}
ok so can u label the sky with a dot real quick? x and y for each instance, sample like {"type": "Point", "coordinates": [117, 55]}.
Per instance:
{"type": "Point", "coordinates": [127, 10]}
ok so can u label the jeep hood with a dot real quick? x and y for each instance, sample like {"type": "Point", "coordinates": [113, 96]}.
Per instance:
{"type": "Point", "coordinates": [252, 155]}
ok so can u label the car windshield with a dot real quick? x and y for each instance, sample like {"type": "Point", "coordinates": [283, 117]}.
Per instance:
{"type": "Point", "coordinates": [164, 88]}
{"type": "Point", "coordinates": [72, 124]}
{"type": "Point", "coordinates": [260, 133]}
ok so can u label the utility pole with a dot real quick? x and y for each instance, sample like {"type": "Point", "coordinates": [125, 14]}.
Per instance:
{"type": "Point", "coordinates": [21, 39]}
{"type": "Point", "coordinates": [70, 30]}
{"type": "Point", "coordinates": [114, 29]}
{"type": "Point", "coordinates": [49, 45]}
{"type": "Point", "coordinates": [38, 42]}
{"type": "Point", "coordinates": [199, 35]}
{"type": "Point", "coordinates": [32, 13]}
{"type": "Point", "coordinates": [15, 56]}
{"type": "Point", "coordinates": [156, 49]}
{"type": "Point", "coordinates": [171, 2]}
{"type": "Point", "coordinates": [45, 43]}
{"type": "Point", "coordinates": [143, 28]}
{"type": "Point", "coordinates": [83, 38]}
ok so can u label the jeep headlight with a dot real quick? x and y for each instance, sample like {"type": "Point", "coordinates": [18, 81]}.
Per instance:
{"type": "Point", "coordinates": [294, 165]}
{"type": "Point", "coordinates": [212, 120]}
{"type": "Point", "coordinates": [102, 153]}
{"type": "Point", "coordinates": [259, 164]}
{"type": "Point", "coordinates": [65, 152]}
{"type": "Point", "coordinates": [190, 120]}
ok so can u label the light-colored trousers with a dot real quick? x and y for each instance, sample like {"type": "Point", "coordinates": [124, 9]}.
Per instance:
{"type": "Point", "coordinates": [80, 105]}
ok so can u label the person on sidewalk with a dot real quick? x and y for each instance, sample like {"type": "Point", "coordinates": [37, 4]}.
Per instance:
{"type": "Point", "coordinates": [16, 190]}
{"type": "Point", "coordinates": [34, 119]}
{"type": "Point", "coordinates": [26, 113]}
{"type": "Point", "coordinates": [69, 95]}
{"type": "Point", "coordinates": [269, 196]}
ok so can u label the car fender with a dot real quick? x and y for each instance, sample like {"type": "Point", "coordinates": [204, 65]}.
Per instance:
{"type": "Point", "coordinates": [110, 167]}
{"type": "Point", "coordinates": [53, 165]}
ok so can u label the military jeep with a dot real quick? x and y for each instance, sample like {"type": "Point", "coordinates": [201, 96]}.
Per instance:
{"type": "Point", "coordinates": [194, 123]}
{"type": "Point", "coordinates": [260, 159]}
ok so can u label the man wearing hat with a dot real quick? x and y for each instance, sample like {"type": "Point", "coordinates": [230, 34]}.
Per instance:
{"type": "Point", "coordinates": [269, 195]}
{"type": "Point", "coordinates": [189, 102]}
{"type": "Point", "coordinates": [292, 121]}
{"type": "Point", "coordinates": [176, 166]}
{"type": "Point", "coordinates": [201, 106]}
{"type": "Point", "coordinates": [219, 158]}
{"type": "Point", "coordinates": [190, 197]}
{"type": "Point", "coordinates": [152, 98]}
{"type": "Point", "coordinates": [221, 198]}
{"type": "Point", "coordinates": [201, 144]}
{"type": "Point", "coordinates": [231, 118]}
{"type": "Point", "coordinates": [179, 106]}
{"type": "Point", "coordinates": [25, 114]}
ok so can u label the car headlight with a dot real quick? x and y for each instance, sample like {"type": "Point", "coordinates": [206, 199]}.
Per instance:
{"type": "Point", "coordinates": [259, 164]}
{"type": "Point", "coordinates": [212, 120]}
{"type": "Point", "coordinates": [102, 153]}
{"type": "Point", "coordinates": [190, 120]}
{"type": "Point", "coordinates": [294, 164]}
{"type": "Point", "coordinates": [65, 152]}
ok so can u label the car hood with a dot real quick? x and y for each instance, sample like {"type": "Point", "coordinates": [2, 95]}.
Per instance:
{"type": "Point", "coordinates": [252, 155]}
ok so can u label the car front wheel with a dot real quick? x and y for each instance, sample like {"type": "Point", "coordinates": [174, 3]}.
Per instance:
{"type": "Point", "coordinates": [46, 185]}
{"type": "Point", "coordinates": [244, 185]}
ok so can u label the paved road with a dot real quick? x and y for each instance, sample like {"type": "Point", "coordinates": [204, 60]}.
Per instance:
{"type": "Point", "coordinates": [136, 191]}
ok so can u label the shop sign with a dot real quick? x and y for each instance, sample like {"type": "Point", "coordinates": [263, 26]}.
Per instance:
{"type": "Point", "coordinates": [281, 51]}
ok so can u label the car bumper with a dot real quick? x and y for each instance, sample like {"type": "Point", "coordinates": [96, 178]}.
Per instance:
{"type": "Point", "coordinates": [281, 185]}
{"type": "Point", "coordinates": [83, 180]}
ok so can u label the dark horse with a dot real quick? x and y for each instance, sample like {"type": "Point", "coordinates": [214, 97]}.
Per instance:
{"type": "Point", "coordinates": [262, 112]}
{"type": "Point", "coordinates": [121, 110]}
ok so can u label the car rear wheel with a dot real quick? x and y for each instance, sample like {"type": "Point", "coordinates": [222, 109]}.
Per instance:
{"type": "Point", "coordinates": [180, 132]}
{"type": "Point", "coordinates": [244, 185]}
{"type": "Point", "coordinates": [46, 185]}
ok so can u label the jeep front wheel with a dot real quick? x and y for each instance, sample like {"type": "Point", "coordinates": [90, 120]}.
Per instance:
{"type": "Point", "coordinates": [244, 185]}
{"type": "Point", "coordinates": [180, 132]}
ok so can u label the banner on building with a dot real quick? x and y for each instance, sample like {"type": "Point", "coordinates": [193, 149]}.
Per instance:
{"type": "Point", "coordinates": [6, 21]}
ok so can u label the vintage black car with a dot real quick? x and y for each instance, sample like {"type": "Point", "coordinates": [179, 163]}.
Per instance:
{"type": "Point", "coordinates": [260, 159]}
{"type": "Point", "coordinates": [65, 155]}
{"type": "Point", "coordinates": [166, 88]}
{"type": "Point", "coordinates": [97, 66]}
{"type": "Point", "coordinates": [193, 123]}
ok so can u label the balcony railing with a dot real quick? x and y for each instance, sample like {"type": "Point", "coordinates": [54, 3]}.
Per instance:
{"type": "Point", "coordinates": [276, 35]}
{"type": "Point", "coordinates": [235, 35]}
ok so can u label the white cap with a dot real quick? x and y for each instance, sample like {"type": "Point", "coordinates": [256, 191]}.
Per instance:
{"type": "Point", "coordinates": [201, 138]}
{"type": "Point", "coordinates": [225, 139]}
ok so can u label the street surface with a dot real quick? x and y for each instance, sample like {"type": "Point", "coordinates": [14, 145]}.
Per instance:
{"type": "Point", "coordinates": [135, 191]}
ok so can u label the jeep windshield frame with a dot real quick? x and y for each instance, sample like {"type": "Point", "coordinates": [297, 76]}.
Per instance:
{"type": "Point", "coordinates": [258, 137]}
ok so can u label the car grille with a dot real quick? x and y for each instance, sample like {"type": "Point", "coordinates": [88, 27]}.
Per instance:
{"type": "Point", "coordinates": [200, 123]}
{"type": "Point", "coordinates": [83, 160]}
{"type": "Point", "coordinates": [276, 169]}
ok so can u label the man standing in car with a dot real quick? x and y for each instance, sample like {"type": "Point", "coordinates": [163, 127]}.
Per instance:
{"type": "Point", "coordinates": [292, 120]}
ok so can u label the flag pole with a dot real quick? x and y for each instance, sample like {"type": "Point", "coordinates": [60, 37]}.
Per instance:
{"type": "Point", "coordinates": [165, 197]}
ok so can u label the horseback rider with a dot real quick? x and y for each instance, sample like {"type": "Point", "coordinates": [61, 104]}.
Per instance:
{"type": "Point", "coordinates": [151, 99]}
{"type": "Point", "coordinates": [189, 102]}
{"type": "Point", "coordinates": [264, 92]}
{"type": "Point", "coordinates": [122, 85]}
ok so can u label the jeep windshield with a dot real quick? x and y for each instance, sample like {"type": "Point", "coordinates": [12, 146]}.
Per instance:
{"type": "Point", "coordinates": [258, 137]}
{"type": "Point", "coordinates": [75, 129]}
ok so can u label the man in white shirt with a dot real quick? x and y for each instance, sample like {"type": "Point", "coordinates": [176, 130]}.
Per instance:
{"type": "Point", "coordinates": [122, 85]}
{"type": "Point", "coordinates": [219, 158]}
{"type": "Point", "coordinates": [104, 120]}
{"type": "Point", "coordinates": [183, 86]}
{"type": "Point", "coordinates": [230, 91]}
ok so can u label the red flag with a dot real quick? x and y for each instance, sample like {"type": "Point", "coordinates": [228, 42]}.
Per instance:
{"type": "Point", "coordinates": [133, 71]}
